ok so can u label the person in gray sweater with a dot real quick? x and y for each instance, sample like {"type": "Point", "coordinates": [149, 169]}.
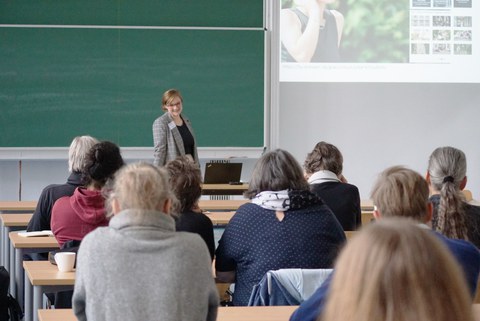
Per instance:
{"type": "Point", "coordinates": [139, 268]}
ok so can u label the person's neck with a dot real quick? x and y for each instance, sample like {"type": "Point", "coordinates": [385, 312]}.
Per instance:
{"type": "Point", "coordinates": [319, 13]}
{"type": "Point", "coordinates": [177, 119]}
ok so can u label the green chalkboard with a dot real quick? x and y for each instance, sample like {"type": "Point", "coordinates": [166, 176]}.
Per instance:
{"type": "Point", "coordinates": [204, 13]}
{"type": "Point", "coordinates": [57, 83]}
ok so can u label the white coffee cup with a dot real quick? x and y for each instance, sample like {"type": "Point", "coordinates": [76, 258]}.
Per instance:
{"type": "Point", "coordinates": [65, 261]}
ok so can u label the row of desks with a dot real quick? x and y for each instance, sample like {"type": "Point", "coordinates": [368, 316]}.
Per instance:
{"type": "Point", "coordinates": [268, 313]}
{"type": "Point", "coordinates": [208, 205]}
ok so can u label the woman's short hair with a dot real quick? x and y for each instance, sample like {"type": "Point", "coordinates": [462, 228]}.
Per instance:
{"type": "Point", "coordinates": [101, 163]}
{"type": "Point", "coordinates": [77, 152]}
{"type": "Point", "coordinates": [275, 171]}
{"type": "Point", "coordinates": [447, 167]}
{"type": "Point", "coordinates": [141, 186]}
{"type": "Point", "coordinates": [169, 96]}
{"type": "Point", "coordinates": [396, 270]}
{"type": "Point", "coordinates": [324, 156]}
{"type": "Point", "coordinates": [399, 191]}
{"type": "Point", "coordinates": [186, 181]}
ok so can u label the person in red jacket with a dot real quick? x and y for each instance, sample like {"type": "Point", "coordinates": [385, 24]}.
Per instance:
{"type": "Point", "coordinates": [75, 216]}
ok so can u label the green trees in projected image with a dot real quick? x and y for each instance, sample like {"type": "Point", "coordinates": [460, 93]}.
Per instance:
{"type": "Point", "coordinates": [374, 31]}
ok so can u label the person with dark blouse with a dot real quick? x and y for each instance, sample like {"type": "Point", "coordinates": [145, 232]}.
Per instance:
{"type": "Point", "coordinates": [310, 32]}
{"type": "Point", "coordinates": [323, 169]}
{"type": "Point", "coordinates": [77, 152]}
{"type": "Point", "coordinates": [447, 177]}
{"type": "Point", "coordinates": [185, 181]}
{"type": "Point", "coordinates": [284, 226]}
{"type": "Point", "coordinates": [172, 132]}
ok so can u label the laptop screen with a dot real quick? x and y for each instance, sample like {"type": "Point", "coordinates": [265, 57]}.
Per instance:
{"type": "Point", "coordinates": [222, 173]}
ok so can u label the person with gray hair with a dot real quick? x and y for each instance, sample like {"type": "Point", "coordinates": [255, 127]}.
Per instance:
{"type": "Point", "coordinates": [77, 152]}
{"type": "Point", "coordinates": [452, 215]}
{"type": "Point", "coordinates": [139, 267]}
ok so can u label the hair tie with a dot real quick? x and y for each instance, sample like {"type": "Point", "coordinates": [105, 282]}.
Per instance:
{"type": "Point", "coordinates": [448, 179]}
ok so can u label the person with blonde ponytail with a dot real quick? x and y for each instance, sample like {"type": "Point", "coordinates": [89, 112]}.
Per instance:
{"type": "Point", "coordinates": [452, 216]}
{"type": "Point", "coordinates": [398, 271]}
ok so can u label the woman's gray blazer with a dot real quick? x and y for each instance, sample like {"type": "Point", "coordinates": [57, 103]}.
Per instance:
{"type": "Point", "coordinates": [167, 141]}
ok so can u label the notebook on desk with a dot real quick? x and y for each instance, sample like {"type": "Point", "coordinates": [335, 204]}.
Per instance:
{"type": "Point", "coordinates": [222, 173]}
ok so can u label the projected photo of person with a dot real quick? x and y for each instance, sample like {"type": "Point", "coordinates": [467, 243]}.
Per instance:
{"type": "Point", "coordinates": [310, 32]}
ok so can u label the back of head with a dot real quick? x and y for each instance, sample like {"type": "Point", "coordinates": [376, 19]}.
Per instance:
{"type": "Point", "coordinates": [395, 270]}
{"type": "Point", "coordinates": [77, 152]}
{"type": "Point", "coordinates": [447, 168]}
{"type": "Point", "coordinates": [185, 180]}
{"type": "Point", "coordinates": [400, 191]}
{"type": "Point", "coordinates": [141, 186]}
{"type": "Point", "coordinates": [324, 156]}
{"type": "Point", "coordinates": [275, 171]}
{"type": "Point", "coordinates": [101, 163]}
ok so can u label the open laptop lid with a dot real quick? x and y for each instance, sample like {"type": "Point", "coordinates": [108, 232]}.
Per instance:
{"type": "Point", "coordinates": [222, 173]}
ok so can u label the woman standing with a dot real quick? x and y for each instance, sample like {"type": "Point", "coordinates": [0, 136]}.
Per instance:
{"type": "Point", "coordinates": [172, 132]}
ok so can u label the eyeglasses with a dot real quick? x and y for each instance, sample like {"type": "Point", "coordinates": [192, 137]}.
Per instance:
{"type": "Point", "coordinates": [175, 105]}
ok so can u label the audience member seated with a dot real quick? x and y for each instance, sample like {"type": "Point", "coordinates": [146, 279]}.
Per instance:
{"type": "Point", "coordinates": [323, 169]}
{"type": "Point", "coordinates": [452, 215]}
{"type": "Point", "coordinates": [139, 267]}
{"type": "Point", "coordinates": [76, 157]}
{"type": "Point", "coordinates": [185, 179]}
{"type": "Point", "coordinates": [394, 270]}
{"type": "Point", "coordinates": [284, 226]}
{"type": "Point", "coordinates": [401, 192]}
{"type": "Point", "coordinates": [75, 216]}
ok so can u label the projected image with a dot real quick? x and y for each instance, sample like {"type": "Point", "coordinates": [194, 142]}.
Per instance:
{"type": "Point", "coordinates": [378, 41]}
{"type": "Point", "coordinates": [344, 31]}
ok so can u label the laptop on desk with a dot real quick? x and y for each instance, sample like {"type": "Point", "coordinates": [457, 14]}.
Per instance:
{"type": "Point", "coordinates": [222, 173]}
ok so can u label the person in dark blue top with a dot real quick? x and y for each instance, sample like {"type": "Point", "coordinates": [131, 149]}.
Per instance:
{"type": "Point", "coordinates": [310, 32]}
{"type": "Point", "coordinates": [284, 226]}
{"type": "Point", "coordinates": [401, 192]}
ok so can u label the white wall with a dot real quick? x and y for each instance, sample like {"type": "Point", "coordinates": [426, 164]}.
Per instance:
{"type": "Point", "coordinates": [380, 125]}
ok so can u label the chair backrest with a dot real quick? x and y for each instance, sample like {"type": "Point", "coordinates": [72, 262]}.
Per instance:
{"type": "Point", "coordinates": [287, 286]}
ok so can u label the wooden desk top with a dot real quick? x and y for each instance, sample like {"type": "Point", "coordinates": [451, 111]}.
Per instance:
{"type": "Point", "coordinates": [219, 205]}
{"type": "Point", "coordinates": [20, 242]}
{"type": "Point", "coordinates": [366, 205]}
{"type": "Point", "coordinates": [15, 219]}
{"type": "Point", "coordinates": [18, 205]}
{"type": "Point", "coordinates": [220, 218]}
{"type": "Point", "coordinates": [270, 313]}
{"type": "Point", "coordinates": [45, 273]}
{"type": "Point", "coordinates": [226, 187]}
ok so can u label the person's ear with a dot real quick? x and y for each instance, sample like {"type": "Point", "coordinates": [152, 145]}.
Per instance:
{"type": "Point", "coordinates": [376, 213]}
{"type": "Point", "coordinates": [463, 183]}
{"type": "Point", "coordinates": [427, 178]}
{"type": "Point", "coordinates": [167, 206]}
{"type": "Point", "coordinates": [115, 206]}
{"type": "Point", "coordinates": [429, 213]}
